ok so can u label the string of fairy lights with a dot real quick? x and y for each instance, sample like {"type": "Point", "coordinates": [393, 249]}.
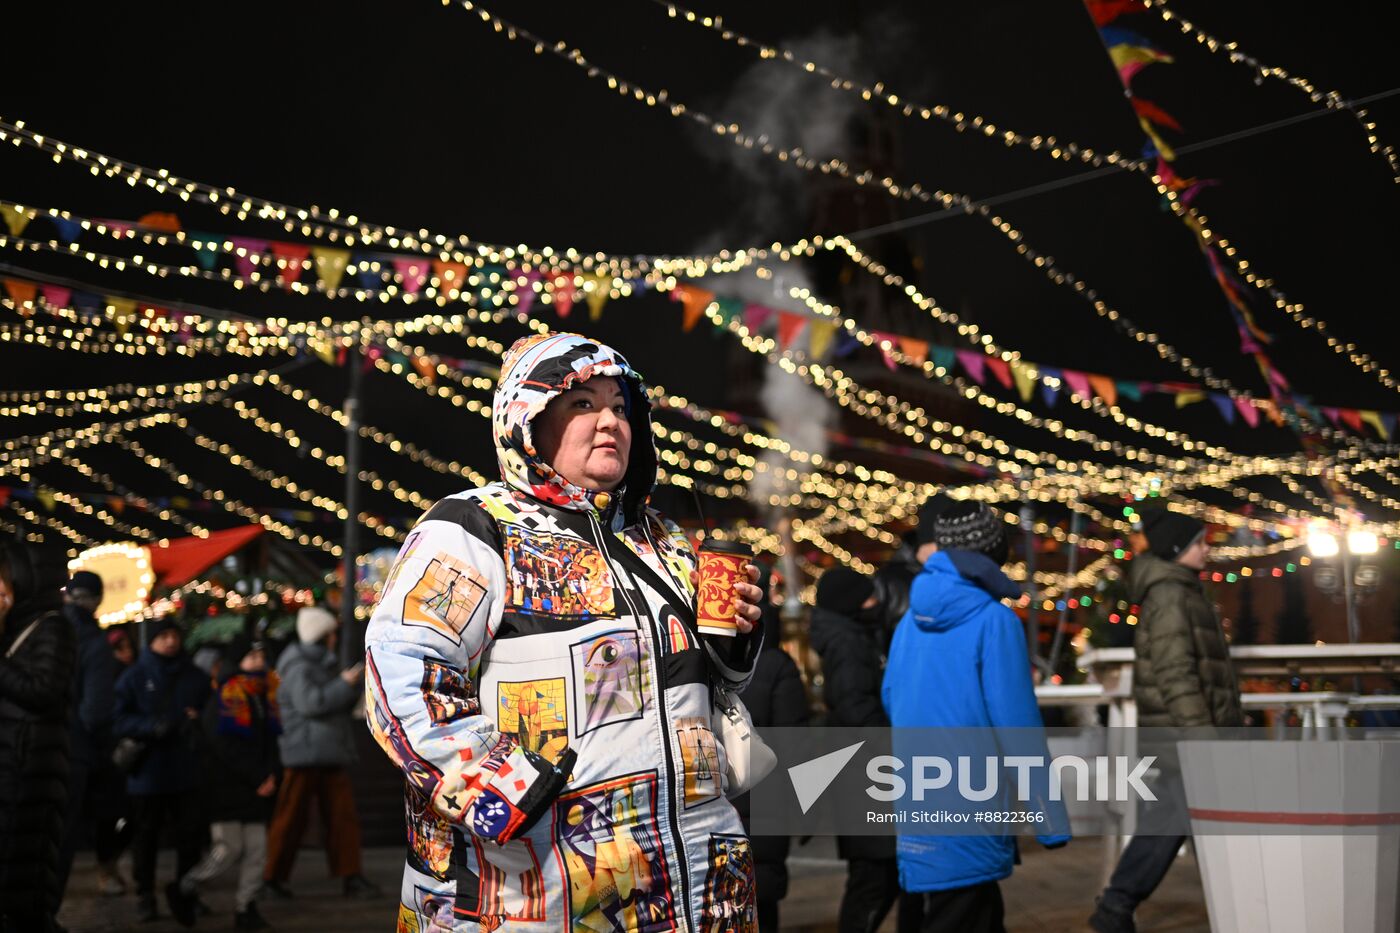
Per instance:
{"type": "Point", "coordinates": [1067, 150]}
{"type": "Point", "coordinates": [812, 531]}
{"type": "Point", "coordinates": [1331, 99]}
{"type": "Point", "coordinates": [796, 156]}
{"type": "Point", "coordinates": [721, 264]}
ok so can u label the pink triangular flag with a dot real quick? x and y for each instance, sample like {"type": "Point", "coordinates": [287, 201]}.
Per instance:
{"type": "Point", "coordinates": [1248, 410]}
{"type": "Point", "coordinates": [413, 272]}
{"type": "Point", "coordinates": [56, 296]}
{"type": "Point", "coordinates": [1078, 383]}
{"type": "Point", "coordinates": [975, 363]}
{"type": "Point", "coordinates": [755, 316]}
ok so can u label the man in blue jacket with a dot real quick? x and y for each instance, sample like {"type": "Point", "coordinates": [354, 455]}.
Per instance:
{"type": "Point", "coordinates": [958, 660]}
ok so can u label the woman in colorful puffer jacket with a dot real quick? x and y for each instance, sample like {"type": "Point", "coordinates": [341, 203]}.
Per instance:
{"type": "Point", "coordinates": [534, 669]}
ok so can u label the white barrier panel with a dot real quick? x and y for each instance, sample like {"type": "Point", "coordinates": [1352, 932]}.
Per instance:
{"type": "Point", "coordinates": [1258, 877]}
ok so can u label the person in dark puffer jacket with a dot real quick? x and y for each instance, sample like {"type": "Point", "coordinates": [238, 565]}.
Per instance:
{"type": "Point", "coordinates": [94, 681]}
{"type": "Point", "coordinates": [159, 701]}
{"type": "Point", "coordinates": [241, 766]}
{"type": "Point", "coordinates": [775, 697]}
{"type": "Point", "coordinates": [37, 653]}
{"type": "Point", "coordinates": [847, 634]}
{"type": "Point", "coordinates": [1182, 677]}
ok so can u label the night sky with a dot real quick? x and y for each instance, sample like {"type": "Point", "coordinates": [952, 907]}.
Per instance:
{"type": "Point", "coordinates": [415, 114]}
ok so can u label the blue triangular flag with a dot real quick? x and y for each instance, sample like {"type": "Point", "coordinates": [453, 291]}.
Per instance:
{"type": "Point", "coordinates": [1225, 404]}
{"type": "Point", "coordinates": [1047, 391]}
{"type": "Point", "coordinates": [68, 230]}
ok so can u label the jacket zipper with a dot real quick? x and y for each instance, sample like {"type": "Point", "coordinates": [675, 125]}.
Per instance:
{"type": "Point", "coordinates": [660, 668]}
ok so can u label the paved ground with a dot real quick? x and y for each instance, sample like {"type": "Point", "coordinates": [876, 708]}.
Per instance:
{"type": "Point", "coordinates": [1050, 893]}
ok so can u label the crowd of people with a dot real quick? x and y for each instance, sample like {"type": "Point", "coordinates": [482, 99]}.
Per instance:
{"type": "Point", "coordinates": [489, 694]}
{"type": "Point", "coordinates": [105, 747]}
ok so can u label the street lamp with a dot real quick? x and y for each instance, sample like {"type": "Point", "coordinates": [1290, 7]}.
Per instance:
{"type": "Point", "coordinates": [1351, 543]}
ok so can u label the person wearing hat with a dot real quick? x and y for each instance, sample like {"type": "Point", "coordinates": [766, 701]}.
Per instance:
{"type": "Point", "coordinates": [1182, 678]}
{"type": "Point", "coordinates": [316, 698]}
{"type": "Point", "coordinates": [158, 703]}
{"type": "Point", "coordinates": [958, 661]}
{"type": "Point", "coordinates": [94, 684]}
{"type": "Point", "coordinates": [36, 665]}
{"type": "Point", "coordinates": [241, 767]}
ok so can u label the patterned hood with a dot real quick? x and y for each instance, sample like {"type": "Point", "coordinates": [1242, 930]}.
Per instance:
{"type": "Point", "coordinates": [533, 371]}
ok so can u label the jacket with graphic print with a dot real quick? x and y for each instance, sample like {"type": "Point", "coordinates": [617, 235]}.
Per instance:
{"type": "Point", "coordinates": [534, 669]}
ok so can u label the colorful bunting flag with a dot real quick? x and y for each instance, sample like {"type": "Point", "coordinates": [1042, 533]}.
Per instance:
{"type": "Point", "coordinates": [598, 295]}
{"type": "Point", "coordinates": [693, 301]}
{"type": "Point", "coordinates": [1078, 383]}
{"type": "Point", "coordinates": [1373, 418]}
{"type": "Point", "coordinates": [789, 327]}
{"type": "Point", "coordinates": [943, 359]}
{"type": "Point", "coordinates": [22, 293]}
{"type": "Point", "coordinates": [1248, 411]}
{"type": "Point", "coordinates": [1149, 111]}
{"type": "Point", "coordinates": [16, 219]}
{"type": "Point", "coordinates": [121, 312]}
{"type": "Point", "coordinates": [56, 296]}
{"type": "Point", "coordinates": [1025, 379]}
{"type": "Point", "coordinates": [426, 368]}
{"type": "Point", "coordinates": [755, 316]}
{"type": "Point", "coordinates": [412, 274]}
{"type": "Point", "coordinates": [819, 337]}
{"type": "Point", "coordinates": [1225, 405]}
{"type": "Point", "coordinates": [525, 291]}
{"type": "Point", "coordinates": [915, 350]}
{"type": "Point", "coordinates": [1105, 388]}
{"type": "Point", "coordinates": [1001, 369]}
{"type": "Point", "coordinates": [68, 230]}
{"type": "Point", "coordinates": [330, 266]}
{"type": "Point", "coordinates": [163, 221]}
{"type": "Point", "coordinates": [46, 498]}
{"type": "Point", "coordinates": [974, 363]}
{"type": "Point", "coordinates": [1189, 398]}
{"type": "Point", "coordinates": [1106, 11]}
{"type": "Point", "coordinates": [245, 253]}
{"type": "Point", "coordinates": [1049, 385]}
{"type": "Point", "coordinates": [727, 310]}
{"type": "Point", "coordinates": [451, 278]}
{"type": "Point", "coordinates": [206, 249]}
{"type": "Point", "coordinates": [290, 259]}
{"type": "Point", "coordinates": [564, 294]}
{"type": "Point", "coordinates": [1132, 390]}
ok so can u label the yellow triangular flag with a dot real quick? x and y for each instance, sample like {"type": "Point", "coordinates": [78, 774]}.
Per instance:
{"type": "Point", "coordinates": [46, 497]}
{"type": "Point", "coordinates": [819, 336]}
{"type": "Point", "coordinates": [330, 266]}
{"type": "Point", "coordinates": [1025, 379]}
{"type": "Point", "coordinates": [1373, 418]}
{"type": "Point", "coordinates": [121, 312]}
{"type": "Point", "coordinates": [598, 295]}
{"type": "Point", "coordinates": [16, 218]}
{"type": "Point", "coordinates": [1189, 398]}
{"type": "Point", "coordinates": [325, 349]}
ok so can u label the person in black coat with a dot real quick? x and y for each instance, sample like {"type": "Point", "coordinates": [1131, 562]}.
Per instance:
{"type": "Point", "coordinates": [36, 680]}
{"type": "Point", "coordinates": [159, 702]}
{"type": "Point", "coordinates": [241, 766]}
{"type": "Point", "coordinates": [94, 683]}
{"type": "Point", "coordinates": [775, 696]}
{"type": "Point", "coordinates": [846, 633]}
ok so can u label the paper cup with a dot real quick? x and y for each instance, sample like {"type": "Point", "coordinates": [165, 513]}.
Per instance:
{"type": "Point", "coordinates": [722, 565]}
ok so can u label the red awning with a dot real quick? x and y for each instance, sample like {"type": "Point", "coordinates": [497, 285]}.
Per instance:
{"type": "Point", "coordinates": [181, 559]}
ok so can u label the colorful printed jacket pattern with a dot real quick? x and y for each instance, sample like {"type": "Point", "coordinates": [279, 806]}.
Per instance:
{"type": "Point", "coordinates": [533, 668]}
